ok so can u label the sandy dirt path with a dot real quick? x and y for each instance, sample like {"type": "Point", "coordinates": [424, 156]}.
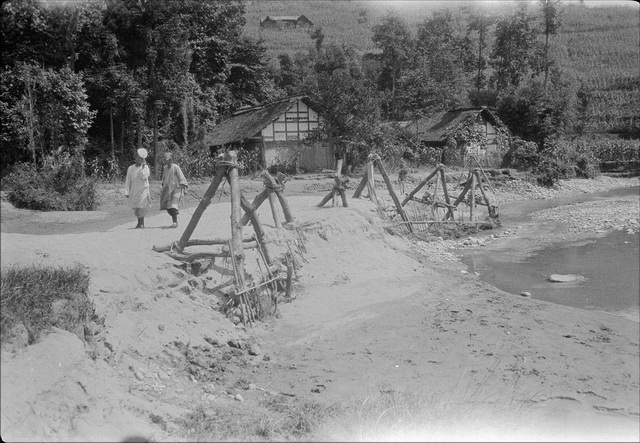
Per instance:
{"type": "Point", "coordinates": [373, 314]}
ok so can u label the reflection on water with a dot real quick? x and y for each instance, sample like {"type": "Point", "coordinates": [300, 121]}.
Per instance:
{"type": "Point", "coordinates": [610, 265]}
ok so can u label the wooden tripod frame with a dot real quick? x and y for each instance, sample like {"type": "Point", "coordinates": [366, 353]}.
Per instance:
{"type": "Point", "coordinates": [368, 181]}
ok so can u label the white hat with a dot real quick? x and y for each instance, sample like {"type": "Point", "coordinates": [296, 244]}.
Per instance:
{"type": "Point", "coordinates": [143, 153]}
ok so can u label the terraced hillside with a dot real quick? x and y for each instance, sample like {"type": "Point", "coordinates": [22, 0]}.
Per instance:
{"type": "Point", "coordinates": [598, 47]}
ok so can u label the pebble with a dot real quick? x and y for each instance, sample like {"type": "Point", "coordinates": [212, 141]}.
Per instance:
{"type": "Point", "coordinates": [238, 397]}
{"type": "Point", "coordinates": [254, 349]}
{"type": "Point", "coordinates": [525, 294]}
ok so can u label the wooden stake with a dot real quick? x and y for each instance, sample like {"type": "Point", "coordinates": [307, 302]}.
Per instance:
{"type": "Point", "coordinates": [257, 227]}
{"type": "Point", "coordinates": [235, 244]}
{"type": "Point", "coordinates": [484, 175]}
{"type": "Point", "coordinates": [420, 186]}
{"type": "Point", "coordinates": [361, 186]}
{"type": "Point", "coordinates": [486, 199]}
{"type": "Point", "coordinates": [371, 184]}
{"type": "Point", "coordinates": [276, 187]}
{"type": "Point", "coordinates": [221, 171]}
{"type": "Point", "coordinates": [392, 193]}
{"type": "Point", "coordinates": [445, 191]}
{"type": "Point", "coordinates": [274, 210]}
{"type": "Point", "coordinates": [289, 279]}
{"type": "Point", "coordinates": [472, 198]}
{"type": "Point", "coordinates": [257, 201]}
{"type": "Point", "coordinates": [434, 198]}
{"type": "Point", "coordinates": [459, 199]}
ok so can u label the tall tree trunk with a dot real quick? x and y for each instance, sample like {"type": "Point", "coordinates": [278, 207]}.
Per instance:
{"type": "Point", "coordinates": [31, 131]}
{"type": "Point", "coordinates": [122, 132]}
{"type": "Point", "coordinates": [113, 145]}
{"type": "Point", "coordinates": [139, 131]}
{"type": "Point", "coordinates": [155, 143]}
{"type": "Point", "coordinates": [480, 44]}
{"type": "Point", "coordinates": [185, 124]}
{"type": "Point", "coordinates": [546, 57]}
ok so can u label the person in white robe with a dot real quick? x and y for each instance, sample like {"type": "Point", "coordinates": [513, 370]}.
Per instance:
{"type": "Point", "coordinates": [136, 187]}
{"type": "Point", "coordinates": [174, 184]}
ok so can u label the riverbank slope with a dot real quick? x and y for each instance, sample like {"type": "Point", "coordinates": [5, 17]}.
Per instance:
{"type": "Point", "coordinates": [375, 315]}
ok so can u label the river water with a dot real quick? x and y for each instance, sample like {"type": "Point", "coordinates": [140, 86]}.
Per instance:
{"type": "Point", "coordinates": [610, 265]}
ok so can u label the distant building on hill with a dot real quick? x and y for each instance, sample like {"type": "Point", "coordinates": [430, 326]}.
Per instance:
{"type": "Point", "coordinates": [276, 132]}
{"type": "Point", "coordinates": [285, 21]}
{"type": "Point", "coordinates": [436, 130]}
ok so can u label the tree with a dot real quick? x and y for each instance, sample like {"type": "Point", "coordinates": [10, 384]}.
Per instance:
{"type": "Point", "coordinates": [439, 77]}
{"type": "Point", "coordinates": [393, 37]}
{"type": "Point", "coordinates": [538, 115]}
{"type": "Point", "coordinates": [350, 112]}
{"type": "Point", "coordinates": [480, 22]}
{"type": "Point", "coordinates": [552, 22]}
{"type": "Point", "coordinates": [183, 51]}
{"type": "Point", "coordinates": [42, 111]}
{"type": "Point", "coordinates": [514, 52]}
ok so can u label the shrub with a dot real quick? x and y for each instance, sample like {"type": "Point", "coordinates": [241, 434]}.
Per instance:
{"type": "Point", "coordinates": [59, 185]}
{"type": "Point", "coordinates": [549, 171]}
{"type": "Point", "coordinates": [522, 155]}
{"type": "Point", "coordinates": [41, 297]}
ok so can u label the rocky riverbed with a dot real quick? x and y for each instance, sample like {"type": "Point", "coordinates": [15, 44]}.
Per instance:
{"type": "Point", "coordinates": [576, 220]}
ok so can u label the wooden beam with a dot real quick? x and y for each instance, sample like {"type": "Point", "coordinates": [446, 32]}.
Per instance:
{"type": "Point", "coordinates": [361, 186]}
{"type": "Point", "coordinates": [257, 227]}
{"type": "Point", "coordinates": [221, 171]}
{"type": "Point", "coordinates": [236, 225]}
{"type": "Point", "coordinates": [257, 201]}
{"type": "Point", "coordinates": [472, 198]}
{"type": "Point", "coordinates": [392, 192]}
{"type": "Point", "coordinates": [214, 241]}
{"type": "Point", "coordinates": [445, 191]}
{"type": "Point", "coordinates": [277, 187]}
{"type": "Point", "coordinates": [420, 186]}
{"type": "Point", "coordinates": [371, 184]}
{"type": "Point", "coordinates": [467, 185]}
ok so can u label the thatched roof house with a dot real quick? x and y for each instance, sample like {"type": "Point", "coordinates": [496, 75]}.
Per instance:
{"type": "Point", "coordinates": [277, 131]}
{"type": "Point", "coordinates": [436, 130]}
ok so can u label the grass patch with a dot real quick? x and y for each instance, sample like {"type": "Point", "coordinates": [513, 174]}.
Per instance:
{"type": "Point", "coordinates": [39, 297]}
{"type": "Point", "coordinates": [389, 415]}
{"type": "Point", "coordinates": [281, 418]}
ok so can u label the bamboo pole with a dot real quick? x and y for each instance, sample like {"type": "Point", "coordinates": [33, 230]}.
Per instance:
{"type": "Point", "coordinates": [392, 193]}
{"type": "Point", "coordinates": [221, 171]}
{"type": "Point", "coordinates": [420, 186]}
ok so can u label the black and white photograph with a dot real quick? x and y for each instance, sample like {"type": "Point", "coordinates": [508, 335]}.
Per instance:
{"type": "Point", "coordinates": [320, 221]}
